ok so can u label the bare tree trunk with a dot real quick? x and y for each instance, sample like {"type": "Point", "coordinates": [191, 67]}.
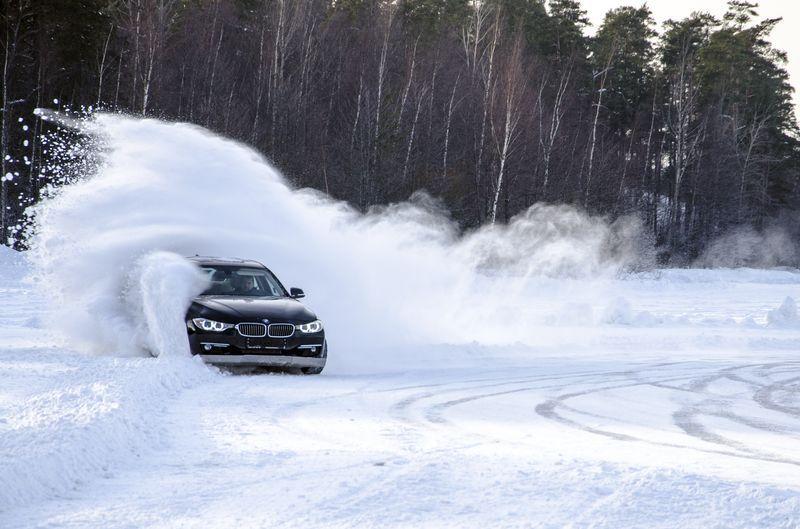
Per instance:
{"type": "Point", "coordinates": [180, 96]}
{"type": "Point", "coordinates": [137, 17]}
{"type": "Point", "coordinates": [308, 55]}
{"type": "Point", "coordinates": [507, 134]}
{"type": "Point", "coordinates": [625, 163]}
{"type": "Point", "coordinates": [754, 133]}
{"type": "Point", "coordinates": [9, 56]}
{"type": "Point", "coordinates": [411, 135]}
{"type": "Point", "coordinates": [450, 107]}
{"type": "Point", "coordinates": [213, 76]}
{"type": "Point", "coordinates": [259, 80]}
{"type": "Point", "coordinates": [333, 95]}
{"type": "Point", "coordinates": [647, 162]}
{"type": "Point", "coordinates": [593, 144]}
{"type": "Point", "coordinates": [119, 79]}
{"type": "Point", "coordinates": [4, 130]}
{"type": "Point", "coordinates": [276, 76]}
{"type": "Point", "coordinates": [473, 35]}
{"type": "Point", "coordinates": [358, 111]}
{"type": "Point", "coordinates": [228, 107]}
{"type": "Point", "coordinates": [514, 80]}
{"type": "Point", "coordinates": [657, 183]}
{"type": "Point", "coordinates": [431, 99]}
{"type": "Point", "coordinates": [148, 77]}
{"type": "Point", "coordinates": [487, 90]}
{"type": "Point", "coordinates": [681, 122]}
{"type": "Point", "coordinates": [379, 97]}
{"type": "Point", "coordinates": [102, 68]}
{"type": "Point", "coordinates": [37, 125]}
{"type": "Point", "coordinates": [408, 84]}
{"type": "Point", "coordinates": [555, 124]}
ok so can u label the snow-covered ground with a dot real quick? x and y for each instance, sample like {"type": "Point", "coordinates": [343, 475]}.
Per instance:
{"type": "Point", "coordinates": [514, 376]}
{"type": "Point", "coordinates": [682, 411]}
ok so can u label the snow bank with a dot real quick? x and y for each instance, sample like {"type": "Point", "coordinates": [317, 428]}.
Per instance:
{"type": "Point", "coordinates": [67, 418]}
{"type": "Point", "coordinates": [401, 274]}
{"type": "Point", "coordinates": [105, 413]}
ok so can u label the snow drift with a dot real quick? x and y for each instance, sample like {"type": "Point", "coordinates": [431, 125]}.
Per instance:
{"type": "Point", "coordinates": [90, 423]}
{"type": "Point", "coordinates": [398, 275]}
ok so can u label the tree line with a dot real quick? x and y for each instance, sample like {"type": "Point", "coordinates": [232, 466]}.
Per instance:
{"type": "Point", "coordinates": [490, 105]}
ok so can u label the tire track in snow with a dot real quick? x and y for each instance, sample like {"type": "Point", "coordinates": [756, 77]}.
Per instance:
{"type": "Point", "coordinates": [400, 408]}
{"type": "Point", "coordinates": [688, 418]}
{"type": "Point", "coordinates": [685, 418]}
{"type": "Point", "coordinates": [436, 412]}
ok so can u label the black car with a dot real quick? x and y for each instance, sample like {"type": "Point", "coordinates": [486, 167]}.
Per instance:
{"type": "Point", "coordinates": [247, 318]}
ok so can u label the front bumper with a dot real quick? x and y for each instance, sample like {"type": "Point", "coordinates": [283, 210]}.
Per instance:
{"type": "Point", "coordinates": [262, 360]}
{"type": "Point", "coordinates": [230, 348]}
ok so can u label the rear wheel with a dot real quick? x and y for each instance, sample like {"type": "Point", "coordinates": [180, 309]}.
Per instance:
{"type": "Point", "coordinates": [317, 370]}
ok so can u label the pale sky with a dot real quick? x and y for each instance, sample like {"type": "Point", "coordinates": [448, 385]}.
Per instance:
{"type": "Point", "coordinates": [786, 35]}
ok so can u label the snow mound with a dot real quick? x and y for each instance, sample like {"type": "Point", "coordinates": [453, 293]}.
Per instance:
{"type": "Point", "coordinates": [784, 316]}
{"type": "Point", "coordinates": [104, 414]}
{"type": "Point", "coordinates": [618, 311]}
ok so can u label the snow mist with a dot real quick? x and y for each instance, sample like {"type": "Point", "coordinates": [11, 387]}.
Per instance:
{"type": "Point", "coordinates": [107, 248]}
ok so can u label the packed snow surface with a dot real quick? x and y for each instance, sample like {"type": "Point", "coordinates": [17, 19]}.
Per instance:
{"type": "Point", "coordinates": [517, 376]}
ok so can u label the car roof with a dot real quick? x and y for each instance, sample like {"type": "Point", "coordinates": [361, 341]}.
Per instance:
{"type": "Point", "coordinates": [203, 260]}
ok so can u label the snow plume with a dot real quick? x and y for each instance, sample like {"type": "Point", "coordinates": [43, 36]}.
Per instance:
{"type": "Point", "coordinates": [164, 285]}
{"type": "Point", "coordinates": [397, 275]}
{"type": "Point", "coordinates": [745, 246]}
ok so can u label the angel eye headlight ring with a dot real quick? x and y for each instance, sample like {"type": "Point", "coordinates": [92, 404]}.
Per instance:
{"type": "Point", "coordinates": [311, 327]}
{"type": "Point", "coordinates": [211, 325]}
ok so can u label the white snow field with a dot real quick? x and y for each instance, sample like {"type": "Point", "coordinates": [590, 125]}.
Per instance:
{"type": "Point", "coordinates": [518, 376]}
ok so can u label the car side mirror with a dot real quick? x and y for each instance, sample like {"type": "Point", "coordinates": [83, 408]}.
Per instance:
{"type": "Point", "coordinates": [296, 293]}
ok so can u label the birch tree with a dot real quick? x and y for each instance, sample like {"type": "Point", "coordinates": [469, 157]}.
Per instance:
{"type": "Point", "coordinates": [507, 115]}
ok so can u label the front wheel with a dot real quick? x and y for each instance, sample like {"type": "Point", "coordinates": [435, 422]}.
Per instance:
{"type": "Point", "coordinates": [317, 370]}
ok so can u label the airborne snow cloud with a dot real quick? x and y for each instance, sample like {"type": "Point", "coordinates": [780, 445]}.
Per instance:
{"type": "Point", "coordinates": [400, 274]}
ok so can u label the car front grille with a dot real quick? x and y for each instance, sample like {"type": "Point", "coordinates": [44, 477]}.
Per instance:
{"type": "Point", "coordinates": [252, 330]}
{"type": "Point", "coordinates": [280, 330]}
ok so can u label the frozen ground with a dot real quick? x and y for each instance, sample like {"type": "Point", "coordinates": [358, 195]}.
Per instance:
{"type": "Point", "coordinates": [680, 409]}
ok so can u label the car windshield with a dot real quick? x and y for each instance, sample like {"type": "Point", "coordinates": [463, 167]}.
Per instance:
{"type": "Point", "coordinates": [242, 281]}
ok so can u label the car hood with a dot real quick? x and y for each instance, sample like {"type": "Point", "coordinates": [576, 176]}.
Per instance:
{"type": "Point", "coordinates": [239, 309]}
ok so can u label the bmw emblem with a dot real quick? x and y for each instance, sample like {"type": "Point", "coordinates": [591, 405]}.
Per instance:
{"type": "Point", "coordinates": [265, 321]}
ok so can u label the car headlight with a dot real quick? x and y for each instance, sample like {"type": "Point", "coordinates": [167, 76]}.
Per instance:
{"type": "Point", "coordinates": [211, 325]}
{"type": "Point", "coordinates": [314, 326]}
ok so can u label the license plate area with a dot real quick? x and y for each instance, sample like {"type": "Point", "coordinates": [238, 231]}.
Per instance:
{"type": "Point", "coordinates": [265, 344]}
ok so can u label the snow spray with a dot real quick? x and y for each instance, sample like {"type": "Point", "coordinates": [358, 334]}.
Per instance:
{"type": "Point", "coordinates": [107, 248]}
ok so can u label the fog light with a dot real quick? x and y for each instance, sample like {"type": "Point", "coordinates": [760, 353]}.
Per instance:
{"type": "Point", "coordinates": [207, 347]}
{"type": "Point", "coordinates": [313, 349]}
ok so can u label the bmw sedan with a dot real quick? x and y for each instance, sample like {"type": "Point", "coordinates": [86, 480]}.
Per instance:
{"type": "Point", "coordinates": [247, 318]}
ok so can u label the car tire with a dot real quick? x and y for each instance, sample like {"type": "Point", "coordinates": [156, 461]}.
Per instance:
{"type": "Point", "coordinates": [317, 370]}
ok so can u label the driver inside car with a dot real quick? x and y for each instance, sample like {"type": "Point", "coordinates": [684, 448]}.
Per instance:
{"type": "Point", "coordinates": [248, 286]}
